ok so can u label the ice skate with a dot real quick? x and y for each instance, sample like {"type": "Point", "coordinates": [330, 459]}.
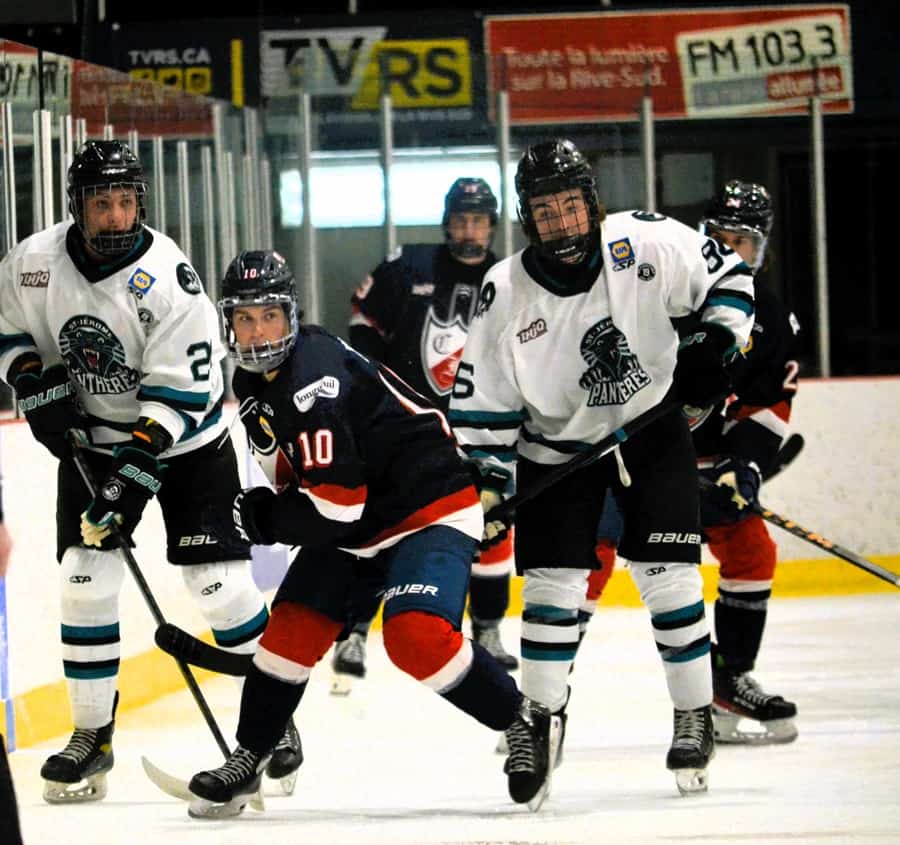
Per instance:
{"type": "Point", "coordinates": [286, 759]}
{"type": "Point", "coordinates": [503, 746]}
{"type": "Point", "coordinates": [743, 713]}
{"type": "Point", "coordinates": [224, 792]}
{"type": "Point", "coordinates": [78, 772]}
{"type": "Point", "coordinates": [533, 740]}
{"type": "Point", "coordinates": [692, 748]}
{"type": "Point", "coordinates": [348, 664]}
{"type": "Point", "coordinates": [487, 635]}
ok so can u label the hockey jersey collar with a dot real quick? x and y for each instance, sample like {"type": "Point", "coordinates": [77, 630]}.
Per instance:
{"type": "Point", "coordinates": [562, 280]}
{"type": "Point", "coordinates": [95, 272]}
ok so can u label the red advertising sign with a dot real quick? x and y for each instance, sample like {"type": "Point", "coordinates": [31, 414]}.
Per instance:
{"type": "Point", "coordinates": [695, 63]}
{"type": "Point", "coordinates": [104, 96]}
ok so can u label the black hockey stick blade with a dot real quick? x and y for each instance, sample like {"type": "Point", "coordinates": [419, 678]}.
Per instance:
{"type": "Point", "coordinates": [786, 454]}
{"type": "Point", "coordinates": [184, 646]}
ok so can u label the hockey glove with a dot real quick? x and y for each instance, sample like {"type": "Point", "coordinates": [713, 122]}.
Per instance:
{"type": "Point", "coordinates": [134, 478]}
{"type": "Point", "coordinates": [700, 376]}
{"type": "Point", "coordinates": [234, 520]}
{"type": "Point", "coordinates": [50, 405]}
{"type": "Point", "coordinates": [735, 493]}
{"type": "Point", "coordinates": [489, 486]}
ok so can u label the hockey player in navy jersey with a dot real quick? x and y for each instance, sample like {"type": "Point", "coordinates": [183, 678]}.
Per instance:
{"type": "Point", "coordinates": [107, 335]}
{"type": "Point", "coordinates": [572, 339]}
{"type": "Point", "coordinates": [413, 313]}
{"type": "Point", "coordinates": [368, 482]}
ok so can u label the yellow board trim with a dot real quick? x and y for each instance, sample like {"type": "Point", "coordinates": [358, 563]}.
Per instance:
{"type": "Point", "coordinates": [237, 72]}
{"type": "Point", "coordinates": [43, 713]}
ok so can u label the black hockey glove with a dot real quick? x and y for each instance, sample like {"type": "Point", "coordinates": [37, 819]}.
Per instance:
{"type": "Point", "coordinates": [134, 478]}
{"type": "Point", "coordinates": [490, 486]}
{"type": "Point", "coordinates": [700, 376]}
{"type": "Point", "coordinates": [235, 522]}
{"type": "Point", "coordinates": [735, 493]}
{"type": "Point", "coordinates": [50, 404]}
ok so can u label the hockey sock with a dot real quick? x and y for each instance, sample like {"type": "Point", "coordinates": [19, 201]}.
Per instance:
{"type": "Point", "coordinates": [740, 620]}
{"type": "Point", "coordinates": [673, 593]}
{"type": "Point", "coordinates": [90, 581]}
{"type": "Point", "coordinates": [266, 705]}
{"type": "Point", "coordinates": [549, 641]}
{"type": "Point", "coordinates": [486, 692]}
{"type": "Point", "coordinates": [488, 597]}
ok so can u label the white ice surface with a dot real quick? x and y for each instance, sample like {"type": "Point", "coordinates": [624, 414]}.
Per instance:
{"type": "Point", "coordinates": [393, 763]}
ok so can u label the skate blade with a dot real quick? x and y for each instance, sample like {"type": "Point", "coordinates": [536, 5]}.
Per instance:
{"type": "Point", "coordinates": [733, 729]}
{"type": "Point", "coordinates": [553, 749]}
{"type": "Point", "coordinates": [92, 788]}
{"type": "Point", "coordinates": [692, 781]}
{"type": "Point", "coordinates": [177, 788]}
{"type": "Point", "coordinates": [287, 783]}
{"type": "Point", "coordinates": [200, 808]}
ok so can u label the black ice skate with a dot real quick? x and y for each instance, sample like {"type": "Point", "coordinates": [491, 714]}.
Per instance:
{"type": "Point", "coordinates": [78, 772]}
{"type": "Point", "coordinates": [286, 759]}
{"type": "Point", "coordinates": [225, 791]}
{"type": "Point", "coordinates": [487, 635]}
{"type": "Point", "coordinates": [533, 740]}
{"type": "Point", "coordinates": [744, 713]}
{"type": "Point", "coordinates": [692, 748]}
{"type": "Point", "coordinates": [348, 663]}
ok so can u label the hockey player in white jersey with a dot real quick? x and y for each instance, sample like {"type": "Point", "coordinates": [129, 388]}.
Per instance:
{"type": "Point", "coordinates": [107, 336]}
{"type": "Point", "coordinates": [573, 339]}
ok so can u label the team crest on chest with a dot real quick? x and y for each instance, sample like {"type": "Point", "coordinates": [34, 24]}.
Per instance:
{"type": "Point", "coordinates": [95, 356]}
{"type": "Point", "coordinates": [441, 348]}
{"type": "Point", "coordinates": [614, 373]}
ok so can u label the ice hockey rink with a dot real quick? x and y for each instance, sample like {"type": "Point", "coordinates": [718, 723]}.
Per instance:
{"type": "Point", "coordinates": [392, 763]}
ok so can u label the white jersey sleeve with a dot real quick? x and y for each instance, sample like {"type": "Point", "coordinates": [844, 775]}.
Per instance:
{"type": "Point", "coordinates": [486, 407]}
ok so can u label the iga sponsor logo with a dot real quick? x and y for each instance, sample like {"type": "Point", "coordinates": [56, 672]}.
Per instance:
{"type": "Point", "coordinates": [35, 279]}
{"type": "Point", "coordinates": [534, 330]}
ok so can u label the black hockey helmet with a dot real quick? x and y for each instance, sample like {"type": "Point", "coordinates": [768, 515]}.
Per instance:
{"type": "Point", "coordinates": [744, 208]}
{"type": "Point", "coordinates": [259, 277]}
{"type": "Point", "coordinates": [474, 196]}
{"type": "Point", "coordinates": [99, 167]}
{"type": "Point", "coordinates": [548, 168]}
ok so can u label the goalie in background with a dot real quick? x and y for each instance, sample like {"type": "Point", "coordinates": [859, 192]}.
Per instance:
{"type": "Point", "coordinates": [738, 444]}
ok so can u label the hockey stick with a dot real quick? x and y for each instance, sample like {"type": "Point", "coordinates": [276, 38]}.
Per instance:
{"type": "Point", "coordinates": [786, 454]}
{"type": "Point", "coordinates": [165, 784]}
{"type": "Point", "coordinates": [507, 508]}
{"type": "Point", "coordinates": [818, 540]}
{"type": "Point", "coordinates": [182, 646]}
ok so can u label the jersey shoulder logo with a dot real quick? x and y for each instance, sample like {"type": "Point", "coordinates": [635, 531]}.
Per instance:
{"type": "Point", "coordinates": [622, 254]}
{"type": "Point", "coordinates": [188, 279]}
{"type": "Point", "coordinates": [327, 387]}
{"type": "Point", "coordinates": [141, 282]}
{"type": "Point", "coordinates": [648, 216]}
{"type": "Point", "coordinates": [614, 373]}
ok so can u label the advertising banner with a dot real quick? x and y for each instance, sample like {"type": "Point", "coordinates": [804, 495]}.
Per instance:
{"type": "Point", "coordinates": [758, 61]}
{"type": "Point", "coordinates": [435, 83]}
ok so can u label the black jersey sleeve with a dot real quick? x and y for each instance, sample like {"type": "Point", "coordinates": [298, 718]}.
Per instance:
{"type": "Point", "coordinates": [765, 382]}
{"type": "Point", "coordinates": [380, 301]}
